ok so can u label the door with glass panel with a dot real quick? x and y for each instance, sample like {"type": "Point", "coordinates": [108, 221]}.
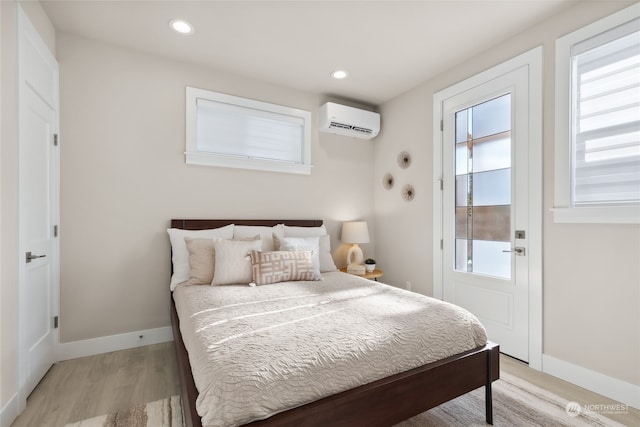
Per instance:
{"type": "Point", "coordinates": [485, 197]}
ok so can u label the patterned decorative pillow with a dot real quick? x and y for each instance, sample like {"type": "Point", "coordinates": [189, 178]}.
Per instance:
{"type": "Point", "coordinates": [282, 266]}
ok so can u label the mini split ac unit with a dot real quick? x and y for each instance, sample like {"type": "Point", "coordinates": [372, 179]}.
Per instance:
{"type": "Point", "coordinates": [348, 121]}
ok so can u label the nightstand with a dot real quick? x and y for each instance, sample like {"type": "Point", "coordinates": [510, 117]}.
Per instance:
{"type": "Point", "coordinates": [373, 275]}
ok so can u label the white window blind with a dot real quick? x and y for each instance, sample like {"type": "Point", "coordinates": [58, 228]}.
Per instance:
{"type": "Point", "coordinates": [230, 131]}
{"type": "Point", "coordinates": [247, 132]}
{"type": "Point", "coordinates": [606, 117]}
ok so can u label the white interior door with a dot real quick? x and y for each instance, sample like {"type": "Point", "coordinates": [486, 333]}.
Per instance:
{"type": "Point", "coordinates": [485, 207]}
{"type": "Point", "coordinates": [38, 162]}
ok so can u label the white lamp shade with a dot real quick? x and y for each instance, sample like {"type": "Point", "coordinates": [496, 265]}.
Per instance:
{"type": "Point", "coordinates": [355, 232]}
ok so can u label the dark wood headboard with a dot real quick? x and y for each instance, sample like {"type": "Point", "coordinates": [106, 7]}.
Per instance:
{"type": "Point", "coordinates": [204, 224]}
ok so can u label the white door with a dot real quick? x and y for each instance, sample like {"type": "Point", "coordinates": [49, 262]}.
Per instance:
{"type": "Point", "coordinates": [38, 162]}
{"type": "Point", "coordinates": [485, 207]}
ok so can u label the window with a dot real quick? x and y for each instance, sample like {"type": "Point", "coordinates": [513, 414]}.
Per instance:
{"type": "Point", "coordinates": [598, 121]}
{"type": "Point", "coordinates": [483, 187]}
{"type": "Point", "coordinates": [229, 131]}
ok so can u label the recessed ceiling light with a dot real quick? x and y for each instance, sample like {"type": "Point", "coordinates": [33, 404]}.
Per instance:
{"type": "Point", "coordinates": [181, 26]}
{"type": "Point", "coordinates": [339, 74]}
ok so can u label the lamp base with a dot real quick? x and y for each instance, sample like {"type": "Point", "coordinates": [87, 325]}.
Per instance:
{"type": "Point", "coordinates": [357, 269]}
{"type": "Point", "coordinates": [355, 255]}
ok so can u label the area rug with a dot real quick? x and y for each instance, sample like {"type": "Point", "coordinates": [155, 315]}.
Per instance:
{"type": "Point", "coordinates": [516, 403]}
{"type": "Point", "coordinates": [161, 413]}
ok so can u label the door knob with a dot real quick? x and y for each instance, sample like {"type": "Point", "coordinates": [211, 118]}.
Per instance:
{"type": "Point", "coordinates": [29, 257]}
{"type": "Point", "coordinates": [518, 251]}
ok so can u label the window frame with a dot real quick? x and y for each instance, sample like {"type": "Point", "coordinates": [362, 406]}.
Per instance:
{"type": "Point", "coordinates": [193, 156]}
{"type": "Point", "coordinates": [563, 210]}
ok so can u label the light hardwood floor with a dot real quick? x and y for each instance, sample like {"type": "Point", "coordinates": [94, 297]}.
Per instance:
{"type": "Point", "coordinates": [628, 416]}
{"type": "Point", "coordinates": [78, 389]}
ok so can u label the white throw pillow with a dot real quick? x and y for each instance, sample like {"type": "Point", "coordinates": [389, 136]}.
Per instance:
{"type": "Point", "coordinates": [326, 259]}
{"type": "Point", "coordinates": [301, 244]}
{"type": "Point", "coordinates": [290, 231]}
{"type": "Point", "coordinates": [265, 233]}
{"type": "Point", "coordinates": [233, 264]}
{"type": "Point", "coordinates": [180, 254]}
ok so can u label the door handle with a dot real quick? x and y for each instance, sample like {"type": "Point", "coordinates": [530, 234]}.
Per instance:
{"type": "Point", "coordinates": [517, 250]}
{"type": "Point", "coordinates": [29, 257]}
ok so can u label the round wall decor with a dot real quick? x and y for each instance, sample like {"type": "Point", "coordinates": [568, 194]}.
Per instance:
{"type": "Point", "coordinates": [408, 192]}
{"type": "Point", "coordinates": [404, 159]}
{"type": "Point", "coordinates": [387, 181]}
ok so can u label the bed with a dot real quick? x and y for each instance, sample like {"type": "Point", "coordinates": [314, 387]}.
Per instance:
{"type": "Point", "coordinates": [381, 402]}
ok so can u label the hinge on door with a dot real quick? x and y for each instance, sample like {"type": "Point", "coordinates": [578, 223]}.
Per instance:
{"type": "Point", "coordinates": [55, 322]}
{"type": "Point", "coordinates": [441, 125]}
{"type": "Point", "coordinates": [441, 184]}
{"type": "Point", "coordinates": [55, 231]}
{"type": "Point", "coordinates": [441, 244]}
{"type": "Point", "coordinates": [55, 139]}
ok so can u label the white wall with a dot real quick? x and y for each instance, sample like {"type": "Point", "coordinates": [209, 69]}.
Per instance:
{"type": "Point", "coordinates": [123, 177]}
{"type": "Point", "coordinates": [591, 272]}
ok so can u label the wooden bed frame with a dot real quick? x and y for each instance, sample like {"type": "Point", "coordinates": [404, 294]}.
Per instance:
{"type": "Point", "coordinates": [381, 403]}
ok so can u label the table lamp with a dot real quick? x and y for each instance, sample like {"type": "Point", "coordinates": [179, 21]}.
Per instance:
{"type": "Point", "coordinates": [355, 232]}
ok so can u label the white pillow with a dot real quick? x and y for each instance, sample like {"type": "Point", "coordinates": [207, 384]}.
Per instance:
{"type": "Point", "coordinates": [265, 233]}
{"type": "Point", "coordinates": [233, 264]}
{"type": "Point", "coordinates": [326, 259]}
{"type": "Point", "coordinates": [304, 231]}
{"type": "Point", "coordinates": [301, 244]}
{"type": "Point", "coordinates": [180, 254]}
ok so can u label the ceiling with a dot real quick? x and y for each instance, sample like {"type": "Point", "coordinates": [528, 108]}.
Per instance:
{"type": "Point", "coordinates": [387, 47]}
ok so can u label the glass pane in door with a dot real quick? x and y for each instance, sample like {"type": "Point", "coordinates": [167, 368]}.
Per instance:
{"type": "Point", "coordinates": [483, 188]}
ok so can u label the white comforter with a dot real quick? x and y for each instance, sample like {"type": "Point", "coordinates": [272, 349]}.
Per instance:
{"type": "Point", "coordinates": [257, 351]}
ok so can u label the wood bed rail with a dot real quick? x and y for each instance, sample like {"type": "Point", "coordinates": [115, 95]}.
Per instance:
{"type": "Point", "coordinates": [380, 403]}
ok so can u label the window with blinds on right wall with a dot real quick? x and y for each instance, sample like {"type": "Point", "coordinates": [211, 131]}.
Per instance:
{"type": "Point", "coordinates": [598, 122]}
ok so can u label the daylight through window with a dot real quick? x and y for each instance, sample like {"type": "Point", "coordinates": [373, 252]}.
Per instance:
{"type": "Point", "coordinates": [229, 131]}
{"type": "Point", "coordinates": [606, 117]}
{"type": "Point", "coordinates": [597, 122]}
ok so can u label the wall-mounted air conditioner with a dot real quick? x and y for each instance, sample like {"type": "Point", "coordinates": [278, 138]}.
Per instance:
{"type": "Point", "coordinates": [348, 121]}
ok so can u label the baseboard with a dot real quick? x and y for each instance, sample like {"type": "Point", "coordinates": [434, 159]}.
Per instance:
{"type": "Point", "coordinates": [613, 388]}
{"type": "Point", "coordinates": [93, 346]}
{"type": "Point", "coordinates": [9, 412]}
